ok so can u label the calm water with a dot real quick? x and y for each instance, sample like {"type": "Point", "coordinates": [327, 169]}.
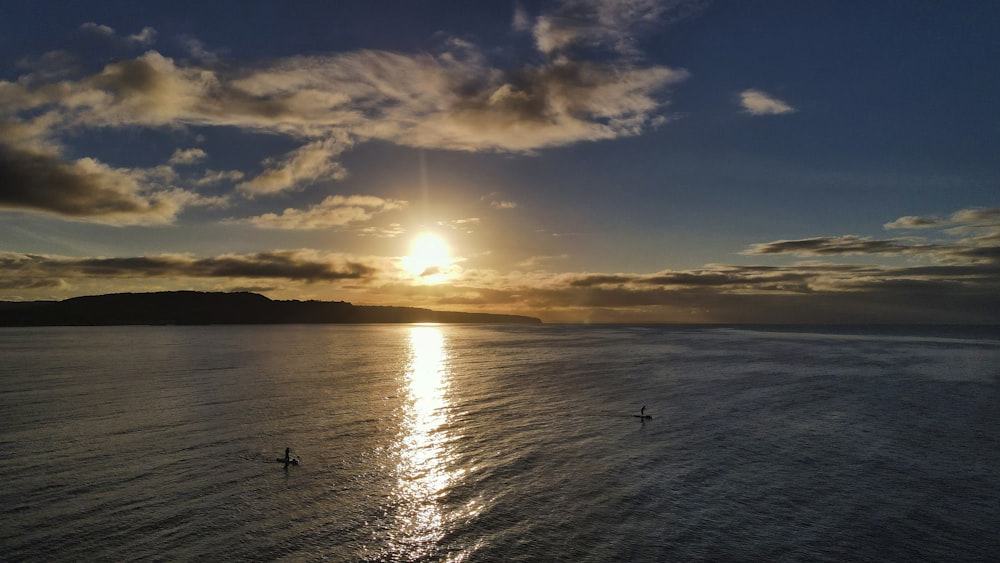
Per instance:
{"type": "Point", "coordinates": [498, 443]}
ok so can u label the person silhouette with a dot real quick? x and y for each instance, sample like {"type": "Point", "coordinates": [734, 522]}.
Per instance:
{"type": "Point", "coordinates": [288, 458]}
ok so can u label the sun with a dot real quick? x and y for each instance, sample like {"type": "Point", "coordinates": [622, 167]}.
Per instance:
{"type": "Point", "coordinates": [429, 258]}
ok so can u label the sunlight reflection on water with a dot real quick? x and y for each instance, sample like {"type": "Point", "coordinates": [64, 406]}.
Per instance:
{"type": "Point", "coordinates": [423, 472]}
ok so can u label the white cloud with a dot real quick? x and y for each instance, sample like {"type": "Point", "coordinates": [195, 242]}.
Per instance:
{"type": "Point", "coordinates": [454, 100]}
{"type": "Point", "coordinates": [912, 222]}
{"type": "Point", "coordinates": [756, 102]}
{"type": "Point", "coordinates": [97, 28]}
{"type": "Point", "coordinates": [217, 176]}
{"type": "Point", "coordinates": [334, 211]}
{"type": "Point", "coordinates": [144, 37]}
{"type": "Point", "coordinates": [187, 156]}
{"type": "Point", "coordinates": [980, 226]}
{"type": "Point", "coordinates": [303, 165]}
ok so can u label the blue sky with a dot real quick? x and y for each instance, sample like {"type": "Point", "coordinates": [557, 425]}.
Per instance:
{"type": "Point", "coordinates": [583, 161]}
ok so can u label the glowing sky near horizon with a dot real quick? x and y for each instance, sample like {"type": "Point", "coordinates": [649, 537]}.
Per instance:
{"type": "Point", "coordinates": [574, 160]}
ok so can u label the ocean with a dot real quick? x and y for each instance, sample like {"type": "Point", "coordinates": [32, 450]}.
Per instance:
{"type": "Point", "coordinates": [499, 443]}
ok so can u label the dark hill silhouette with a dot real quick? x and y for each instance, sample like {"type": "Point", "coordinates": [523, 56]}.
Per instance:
{"type": "Point", "coordinates": [201, 308]}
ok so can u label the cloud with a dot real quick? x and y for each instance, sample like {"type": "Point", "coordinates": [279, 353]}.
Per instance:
{"type": "Point", "coordinates": [452, 100]}
{"type": "Point", "coordinates": [913, 222]}
{"type": "Point", "coordinates": [210, 177]}
{"type": "Point", "coordinates": [51, 66]}
{"type": "Point", "coordinates": [145, 37]}
{"type": "Point", "coordinates": [980, 228]}
{"type": "Point", "coordinates": [84, 190]}
{"type": "Point", "coordinates": [197, 50]}
{"type": "Point", "coordinates": [536, 261]}
{"type": "Point", "coordinates": [98, 29]}
{"type": "Point", "coordinates": [334, 211]}
{"type": "Point", "coordinates": [756, 102]}
{"type": "Point", "coordinates": [809, 293]}
{"type": "Point", "coordinates": [959, 281]}
{"type": "Point", "coordinates": [976, 217]}
{"type": "Point", "coordinates": [521, 20]}
{"type": "Point", "coordinates": [609, 24]}
{"type": "Point", "coordinates": [187, 156]}
{"type": "Point", "coordinates": [392, 231]}
{"type": "Point", "coordinates": [298, 265]}
{"type": "Point", "coordinates": [981, 217]}
{"type": "Point", "coordinates": [465, 225]}
{"type": "Point", "coordinates": [832, 246]}
{"type": "Point", "coordinates": [303, 165]}
{"type": "Point", "coordinates": [497, 203]}
{"type": "Point", "coordinates": [968, 236]}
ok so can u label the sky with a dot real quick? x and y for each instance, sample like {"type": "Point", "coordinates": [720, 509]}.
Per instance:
{"type": "Point", "coordinates": [593, 161]}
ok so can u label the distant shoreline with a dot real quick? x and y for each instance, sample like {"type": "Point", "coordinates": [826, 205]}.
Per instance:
{"type": "Point", "coordinates": [210, 308]}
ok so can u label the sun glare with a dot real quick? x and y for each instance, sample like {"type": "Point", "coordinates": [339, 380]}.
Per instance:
{"type": "Point", "coordinates": [429, 258]}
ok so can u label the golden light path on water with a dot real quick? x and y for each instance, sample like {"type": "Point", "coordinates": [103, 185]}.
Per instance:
{"type": "Point", "coordinates": [424, 473]}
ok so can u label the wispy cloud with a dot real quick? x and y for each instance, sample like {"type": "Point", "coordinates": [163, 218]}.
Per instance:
{"type": "Point", "coordinates": [210, 177]}
{"type": "Point", "coordinates": [187, 156]}
{"type": "Point", "coordinates": [392, 231]}
{"type": "Point", "coordinates": [756, 102]}
{"type": "Point", "coordinates": [454, 99]}
{"type": "Point", "coordinates": [197, 50]}
{"type": "Point", "coordinates": [465, 225]}
{"type": "Point", "coordinates": [334, 211]}
{"type": "Point", "coordinates": [145, 37]}
{"type": "Point", "coordinates": [304, 165]}
{"type": "Point", "coordinates": [97, 29]}
{"type": "Point", "coordinates": [609, 24]}
{"type": "Point", "coordinates": [496, 201]}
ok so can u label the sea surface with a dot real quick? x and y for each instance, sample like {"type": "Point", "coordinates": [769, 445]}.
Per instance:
{"type": "Point", "coordinates": [499, 443]}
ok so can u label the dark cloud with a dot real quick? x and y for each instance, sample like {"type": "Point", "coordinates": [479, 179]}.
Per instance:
{"type": "Point", "coordinates": [812, 293]}
{"type": "Point", "coordinates": [85, 188]}
{"type": "Point", "coordinates": [888, 302]}
{"type": "Point", "coordinates": [591, 280]}
{"type": "Point", "coordinates": [290, 265]}
{"type": "Point", "coordinates": [983, 253]}
{"type": "Point", "coordinates": [732, 277]}
{"type": "Point", "coordinates": [831, 246]}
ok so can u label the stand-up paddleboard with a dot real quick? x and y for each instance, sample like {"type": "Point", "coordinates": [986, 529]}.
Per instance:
{"type": "Point", "coordinates": [292, 461]}
{"type": "Point", "coordinates": [642, 414]}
